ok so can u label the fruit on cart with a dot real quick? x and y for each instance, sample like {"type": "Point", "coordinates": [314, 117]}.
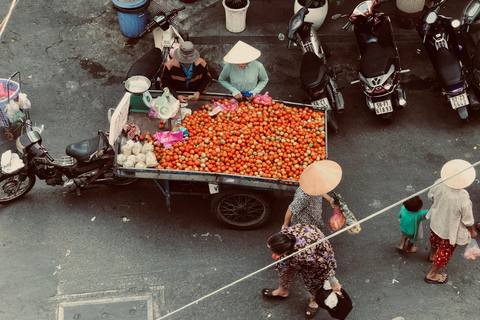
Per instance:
{"type": "Point", "coordinates": [272, 141]}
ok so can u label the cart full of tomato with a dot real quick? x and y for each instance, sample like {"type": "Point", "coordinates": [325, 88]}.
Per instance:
{"type": "Point", "coordinates": [269, 141]}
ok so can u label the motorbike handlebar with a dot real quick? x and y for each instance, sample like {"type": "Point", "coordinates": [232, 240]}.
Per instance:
{"type": "Point", "coordinates": [167, 15]}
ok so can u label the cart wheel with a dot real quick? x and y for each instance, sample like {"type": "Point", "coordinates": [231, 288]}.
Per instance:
{"type": "Point", "coordinates": [9, 135]}
{"type": "Point", "coordinates": [241, 209]}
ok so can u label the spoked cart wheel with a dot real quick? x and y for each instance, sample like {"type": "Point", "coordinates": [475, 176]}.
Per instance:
{"type": "Point", "coordinates": [241, 209]}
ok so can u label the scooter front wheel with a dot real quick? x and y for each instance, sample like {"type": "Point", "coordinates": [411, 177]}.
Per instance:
{"type": "Point", "coordinates": [13, 187]}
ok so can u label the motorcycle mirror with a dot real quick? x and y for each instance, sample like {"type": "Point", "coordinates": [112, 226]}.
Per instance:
{"type": "Point", "coordinates": [281, 36]}
{"type": "Point", "coordinates": [472, 12]}
{"type": "Point", "coordinates": [431, 18]}
{"type": "Point", "coordinates": [456, 23]}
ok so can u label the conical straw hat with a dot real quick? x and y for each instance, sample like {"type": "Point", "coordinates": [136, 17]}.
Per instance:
{"type": "Point", "coordinates": [242, 53]}
{"type": "Point", "coordinates": [461, 180]}
{"type": "Point", "coordinates": [320, 177]}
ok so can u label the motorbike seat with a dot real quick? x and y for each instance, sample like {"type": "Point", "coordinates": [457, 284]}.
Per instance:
{"type": "Point", "coordinates": [84, 149]}
{"type": "Point", "coordinates": [448, 67]}
{"type": "Point", "coordinates": [147, 65]}
{"type": "Point", "coordinates": [312, 70]}
{"type": "Point", "coordinates": [375, 60]}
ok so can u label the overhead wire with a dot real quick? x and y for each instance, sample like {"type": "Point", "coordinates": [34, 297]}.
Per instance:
{"type": "Point", "coordinates": [3, 25]}
{"type": "Point", "coordinates": [318, 242]}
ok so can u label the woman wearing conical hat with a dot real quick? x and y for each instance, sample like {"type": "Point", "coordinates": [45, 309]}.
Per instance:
{"type": "Point", "coordinates": [451, 216]}
{"type": "Point", "coordinates": [243, 75]}
{"type": "Point", "coordinates": [316, 181]}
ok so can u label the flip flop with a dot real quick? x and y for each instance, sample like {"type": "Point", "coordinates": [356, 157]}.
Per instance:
{"type": "Point", "coordinates": [436, 281]}
{"type": "Point", "coordinates": [268, 293]}
{"type": "Point", "coordinates": [311, 312]}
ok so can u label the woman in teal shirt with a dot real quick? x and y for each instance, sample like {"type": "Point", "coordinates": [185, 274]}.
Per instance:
{"type": "Point", "coordinates": [242, 74]}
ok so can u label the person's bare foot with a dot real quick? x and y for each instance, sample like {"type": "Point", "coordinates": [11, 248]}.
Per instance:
{"type": "Point", "coordinates": [411, 250]}
{"type": "Point", "coordinates": [279, 293]}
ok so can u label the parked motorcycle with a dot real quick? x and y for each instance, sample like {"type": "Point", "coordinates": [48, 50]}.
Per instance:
{"type": "Point", "coordinates": [165, 36]}
{"type": "Point", "coordinates": [469, 26]}
{"type": "Point", "coordinates": [317, 76]}
{"type": "Point", "coordinates": [379, 71]}
{"type": "Point", "coordinates": [439, 37]}
{"type": "Point", "coordinates": [87, 163]}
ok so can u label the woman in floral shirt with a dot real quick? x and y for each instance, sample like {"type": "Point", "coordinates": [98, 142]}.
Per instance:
{"type": "Point", "coordinates": [315, 265]}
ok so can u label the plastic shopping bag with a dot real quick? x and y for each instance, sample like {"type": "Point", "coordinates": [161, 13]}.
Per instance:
{"type": "Point", "coordinates": [337, 220]}
{"type": "Point", "coordinates": [472, 251]}
{"type": "Point", "coordinates": [338, 305]}
{"type": "Point", "coordinates": [349, 217]}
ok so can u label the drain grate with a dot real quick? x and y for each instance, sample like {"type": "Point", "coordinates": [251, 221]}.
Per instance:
{"type": "Point", "coordinates": [127, 308]}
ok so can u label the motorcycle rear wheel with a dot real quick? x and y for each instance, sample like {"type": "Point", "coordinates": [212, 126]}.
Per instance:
{"type": "Point", "coordinates": [388, 117]}
{"type": "Point", "coordinates": [12, 188]}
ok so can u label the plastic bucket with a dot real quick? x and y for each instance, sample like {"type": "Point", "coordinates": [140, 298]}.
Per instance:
{"type": "Point", "coordinates": [236, 19]}
{"type": "Point", "coordinates": [132, 16]}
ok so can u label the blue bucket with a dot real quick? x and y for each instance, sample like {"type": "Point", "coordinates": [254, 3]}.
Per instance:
{"type": "Point", "coordinates": [132, 16]}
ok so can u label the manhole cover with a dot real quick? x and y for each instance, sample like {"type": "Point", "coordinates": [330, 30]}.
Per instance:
{"type": "Point", "coordinates": [128, 308]}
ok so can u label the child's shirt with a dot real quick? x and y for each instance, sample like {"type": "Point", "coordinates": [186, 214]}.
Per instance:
{"type": "Point", "coordinates": [409, 222]}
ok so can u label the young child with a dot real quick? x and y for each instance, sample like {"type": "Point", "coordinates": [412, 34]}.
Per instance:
{"type": "Point", "coordinates": [410, 217]}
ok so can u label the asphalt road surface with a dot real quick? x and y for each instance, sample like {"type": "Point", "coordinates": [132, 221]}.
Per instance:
{"type": "Point", "coordinates": [90, 257]}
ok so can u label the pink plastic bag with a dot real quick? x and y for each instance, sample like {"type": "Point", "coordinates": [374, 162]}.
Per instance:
{"type": "Point", "coordinates": [337, 220]}
{"type": "Point", "coordinates": [263, 99]}
{"type": "Point", "coordinates": [472, 251]}
{"type": "Point", "coordinates": [168, 138]}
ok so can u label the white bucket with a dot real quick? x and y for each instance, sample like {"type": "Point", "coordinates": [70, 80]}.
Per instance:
{"type": "Point", "coordinates": [236, 19]}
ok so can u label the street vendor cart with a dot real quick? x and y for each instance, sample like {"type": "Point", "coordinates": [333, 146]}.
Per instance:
{"type": "Point", "coordinates": [239, 198]}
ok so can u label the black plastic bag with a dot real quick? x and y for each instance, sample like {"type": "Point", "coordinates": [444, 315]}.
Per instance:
{"type": "Point", "coordinates": [343, 307]}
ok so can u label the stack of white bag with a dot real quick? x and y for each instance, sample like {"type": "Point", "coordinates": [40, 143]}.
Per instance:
{"type": "Point", "coordinates": [136, 155]}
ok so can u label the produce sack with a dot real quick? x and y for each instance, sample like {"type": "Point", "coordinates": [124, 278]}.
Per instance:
{"type": "Point", "coordinates": [472, 251]}
{"type": "Point", "coordinates": [338, 305]}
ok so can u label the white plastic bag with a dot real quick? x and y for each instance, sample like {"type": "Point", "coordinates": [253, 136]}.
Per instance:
{"type": "Point", "coordinates": [151, 160]}
{"type": "Point", "coordinates": [132, 158]}
{"type": "Point", "coordinates": [121, 158]}
{"type": "Point", "coordinates": [126, 149]}
{"type": "Point", "coordinates": [136, 148]}
{"type": "Point", "coordinates": [472, 251]}
{"type": "Point", "coordinates": [140, 157]}
{"type": "Point", "coordinates": [147, 147]}
{"type": "Point", "coordinates": [24, 102]}
{"type": "Point", "coordinates": [140, 165]}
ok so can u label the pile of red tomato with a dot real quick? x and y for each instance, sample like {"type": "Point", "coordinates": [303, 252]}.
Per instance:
{"type": "Point", "coordinates": [270, 141]}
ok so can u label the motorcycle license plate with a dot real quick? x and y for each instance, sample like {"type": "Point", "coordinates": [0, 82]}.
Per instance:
{"type": "Point", "coordinates": [459, 101]}
{"type": "Point", "coordinates": [322, 103]}
{"type": "Point", "coordinates": [382, 107]}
